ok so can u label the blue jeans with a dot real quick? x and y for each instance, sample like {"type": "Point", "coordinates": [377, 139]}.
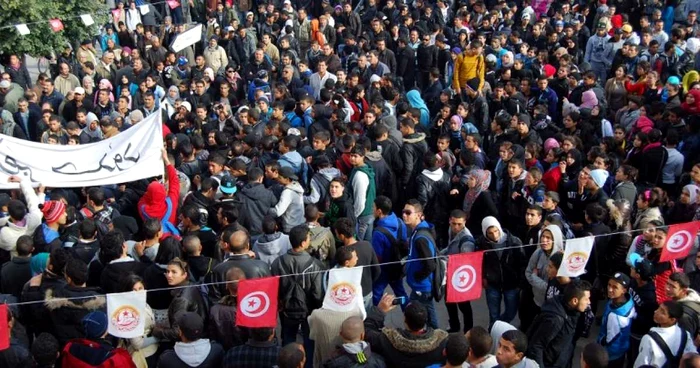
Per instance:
{"type": "Point", "coordinates": [380, 285]}
{"type": "Point", "coordinates": [600, 70]}
{"type": "Point", "coordinates": [365, 225]}
{"type": "Point", "coordinates": [427, 300]}
{"type": "Point", "coordinates": [493, 301]}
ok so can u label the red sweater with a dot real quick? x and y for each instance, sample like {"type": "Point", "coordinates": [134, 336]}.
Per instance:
{"type": "Point", "coordinates": [153, 201]}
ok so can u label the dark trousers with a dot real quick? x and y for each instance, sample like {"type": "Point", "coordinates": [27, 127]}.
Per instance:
{"type": "Point", "coordinates": [453, 315]}
{"type": "Point", "coordinates": [290, 329]}
{"type": "Point", "coordinates": [527, 310]}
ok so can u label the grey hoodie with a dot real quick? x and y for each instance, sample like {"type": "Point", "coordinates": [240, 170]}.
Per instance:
{"type": "Point", "coordinates": [317, 191]}
{"type": "Point", "coordinates": [270, 246]}
{"type": "Point", "coordinates": [193, 353]}
{"type": "Point", "coordinates": [290, 206]}
{"type": "Point", "coordinates": [539, 261]}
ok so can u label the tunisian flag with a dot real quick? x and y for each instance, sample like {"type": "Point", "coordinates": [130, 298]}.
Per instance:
{"type": "Point", "coordinates": [679, 240]}
{"type": "Point", "coordinates": [4, 328]}
{"type": "Point", "coordinates": [56, 25]}
{"type": "Point", "coordinates": [464, 277]}
{"type": "Point", "coordinates": [257, 302]}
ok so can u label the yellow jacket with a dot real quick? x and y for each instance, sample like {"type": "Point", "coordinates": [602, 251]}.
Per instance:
{"type": "Point", "coordinates": [468, 67]}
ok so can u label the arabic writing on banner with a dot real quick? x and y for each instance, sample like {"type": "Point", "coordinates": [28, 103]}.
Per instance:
{"type": "Point", "coordinates": [130, 155]}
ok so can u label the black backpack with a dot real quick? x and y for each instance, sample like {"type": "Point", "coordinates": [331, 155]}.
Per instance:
{"type": "Point", "coordinates": [672, 361]}
{"type": "Point", "coordinates": [294, 301]}
{"type": "Point", "coordinates": [399, 250]}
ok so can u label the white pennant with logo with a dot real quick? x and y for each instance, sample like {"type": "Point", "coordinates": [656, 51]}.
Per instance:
{"type": "Point", "coordinates": [576, 256]}
{"type": "Point", "coordinates": [127, 314]}
{"type": "Point", "coordinates": [344, 291]}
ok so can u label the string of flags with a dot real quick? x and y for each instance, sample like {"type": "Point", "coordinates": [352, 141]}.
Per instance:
{"type": "Point", "coordinates": [258, 298]}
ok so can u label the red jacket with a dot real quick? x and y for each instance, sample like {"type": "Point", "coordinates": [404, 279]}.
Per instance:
{"type": "Point", "coordinates": [153, 201]}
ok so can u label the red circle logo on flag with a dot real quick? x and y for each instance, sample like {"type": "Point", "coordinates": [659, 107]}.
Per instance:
{"type": "Point", "coordinates": [126, 318]}
{"type": "Point", "coordinates": [255, 304]}
{"type": "Point", "coordinates": [464, 278]}
{"type": "Point", "coordinates": [679, 241]}
{"type": "Point", "coordinates": [343, 293]}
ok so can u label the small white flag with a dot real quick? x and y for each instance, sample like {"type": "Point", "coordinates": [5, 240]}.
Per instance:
{"type": "Point", "coordinates": [576, 256]}
{"type": "Point", "coordinates": [344, 291]}
{"type": "Point", "coordinates": [22, 29]}
{"type": "Point", "coordinates": [127, 314]}
{"type": "Point", "coordinates": [87, 19]}
{"type": "Point", "coordinates": [144, 9]}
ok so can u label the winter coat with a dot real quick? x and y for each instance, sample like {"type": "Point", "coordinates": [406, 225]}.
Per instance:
{"type": "Point", "coordinates": [222, 324]}
{"type": "Point", "coordinates": [645, 216]}
{"type": "Point", "coordinates": [412, 152]}
{"type": "Point", "coordinates": [46, 240]}
{"type": "Point", "coordinates": [185, 299]}
{"type": "Point", "coordinates": [349, 356]}
{"type": "Point", "coordinates": [252, 268]}
{"type": "Point", "coordinates": [539, 261]}
{"type": "Point", "coordinates": [551, 335]}
{"type": "Point", "coordinates": [616, 327]}
{"type": "Point", "coordinates": [13, 230]}
{"type": "Point", "coordinates": [115, 270]}
{"type": "Point", "coordinates": [433, 188]}
{"type": "Point", "coordinates": [364, 189]}
{"type": "Point", "coordinates": [625, 190]}
{"type": "Point", "coordinates": [67, 315]}
{"type": "Point", "coordinates": [256, 201]}
{"type": "Point", "coordinates": [384, 179]}
{"type": "Point", "coordinates": [270, 246]}
{"type": "Point", "coordinates": [421, 245]}
{"type": "Point", "coordinates": [308, 275]}
{"type": "Point", "coordinates": [644, 298]}
{"type": "Point", "coordinates": [504, 268]}
{"type": "Point", "coordinates": [290, 206]}
{"type": "Point", "coordinates": [401, 348]}
{"type": "Point", "coordinates": [691, 312]}
{"type": "Point", "coordinates": [14, 275]}
{"type": "Point", "coordinates": [462, 242]}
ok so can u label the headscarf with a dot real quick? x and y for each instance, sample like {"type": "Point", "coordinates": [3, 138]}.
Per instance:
{"type": "Point", "coordinates": [105, 84]}
{"type": "Point", "coordinates": [483, 181]}
{"type": "Point", "coordinates": [693, 192]}
{"type": "Point", "coordinates": [38, 263]}
{"type": "Point", "coordinates": [171, 100]}
{"type": "Point", "coordinates": [589, 100]}
{"type": "Point", "coordinates": [572, 170]}
{"type": "Point", "coordinates": [695, 107]}
{"type": "Point", "coordinates": [689, 78]}
{"type": "Point", "coordinates": [417, 102]}
{"type": "Point", "coordinates": [511, 62]}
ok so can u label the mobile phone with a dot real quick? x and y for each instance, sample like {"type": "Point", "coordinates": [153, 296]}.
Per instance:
{"type": "Point", "coordinates": [399, 300]}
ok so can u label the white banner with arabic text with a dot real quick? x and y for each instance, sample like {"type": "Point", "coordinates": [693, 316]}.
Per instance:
{"type": "Point", "coordinates": [130, 155]}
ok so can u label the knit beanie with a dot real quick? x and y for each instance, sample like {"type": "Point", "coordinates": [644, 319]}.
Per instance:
{"type": "Point", "coordinates": [95, 324]}
{"type": "Point", "coordinates": [52, 211]}
{"type": "Point", "coordinates": [599, 176]}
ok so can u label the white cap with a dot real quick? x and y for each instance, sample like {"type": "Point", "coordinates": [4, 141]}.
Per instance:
{"type": "Point", "coordinates": [187, 106]}
{"type": "Point", "coordinates": [5, 84]}
{"type": "Point", "coordinates": [375, 78]}
{"type": "Point", "coordinates": [79, 90]}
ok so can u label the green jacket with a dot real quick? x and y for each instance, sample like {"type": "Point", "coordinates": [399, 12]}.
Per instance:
{"type": "Point", "coordinates": [370, 194]}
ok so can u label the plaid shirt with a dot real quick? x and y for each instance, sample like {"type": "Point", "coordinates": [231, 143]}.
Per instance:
{"type": "Point", "coordinates": [253, 354]}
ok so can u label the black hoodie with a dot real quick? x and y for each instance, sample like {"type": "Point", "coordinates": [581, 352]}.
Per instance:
{"type": "Point", "coordinates": [256, 201]}
{"type": "Point", "coordinates": [551, 334]}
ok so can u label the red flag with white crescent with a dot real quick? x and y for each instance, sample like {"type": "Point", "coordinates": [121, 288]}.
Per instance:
{"type": "Point", "coordinates": [56, 25]}
{"type": "Point", "coordinates": [679, 240]}
{"type": "Point", "coordinates": [257, 302]}
{"type": "Point", "coordinates": [464, 277]}
{"type": "Point", "coordinates": [4, 328]}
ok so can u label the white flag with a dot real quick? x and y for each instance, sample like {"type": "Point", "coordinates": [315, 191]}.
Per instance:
{"type": "Point", "coordinates": [127, 314]}
{"type": "Point", "coordinates": [144, 9]}
{"type": "Point", "coordinates": [189, 37]}
{"type": "Point", "coordinates": [22, 29]}
{"type": "Point", "coordinates": [344, 291]}
{"type": "Point", "coordinates": [87, 19]}
{"type": "Point", "coordinates": [576, 255]}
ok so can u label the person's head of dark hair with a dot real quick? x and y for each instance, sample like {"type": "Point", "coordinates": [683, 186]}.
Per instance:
{"type": "Point", "coordinates": [517, 338]}
{"type": "Point", "coordinates": [596, 213]}
{"type": "Point", "coordinates": [57, 261]}
{"type": "Point", "coordinates": [311, 212]}
{"type": "Point", "coordinates": [45, 350]}
{"type": "Point", "coordinates": [383, 204]}
{"type": "Point", "coordinates": [16, 209]}
{"type": "Point", "coordinates": [343, 254]}
{"type": "Point", "coordinates": [87, 229]}
{"type": "Point", "coordinates": [230, 212]}
{"type": "Point", "coordinates": [169, 249]}
{"type": "Point", "coordinates": [25, 245]}
{"type": "Point", "coordinates": [97, 195]}
{"type": "Point", "coordinates": [681, 279]}
{"type": "Point", "coordinates": [595, 355]}
{"type": "Point", "coordinates": [126, 283]}
{"type": "Point", "coordinates": [255, 174]}
{"type": "Point", "coordinates": [76, 271]}
{"type": "Point", "coordinates": [576, 289]}
{"type": "Point", "coordinates": [675, 309]}
{"type": "Point", "coordinates": [291, 142]}
{"type": "Point", "coordinates": [151, 228]}
{"type": "Point", "coordinates": [344, 226]}
{"type": "Point", "coordinates": [480, 341]}
{"type": "Point", "coordinates": [261, 334]}
{"type": "Point", "coordinates": [430, 161]}
{"type": "Point", "coordinates": [209, 184]}
{"type": "Point", "coordinates": [111, 246]}
{"type": "Point", "coordinates": [456, 349]}
{"type": "Point", "coordinates": [654, 136]}
{"type": "Point", "coordinates": [298, 235]}
{"type": "Point", "coordinates": [291, 356]}
{"type": "Point", "coordinates": [191, 212]}
{"type": "Point", "coordinates": [269, 225]}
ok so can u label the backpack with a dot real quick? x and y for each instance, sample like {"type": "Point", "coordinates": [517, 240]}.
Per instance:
{"type": "Point", "coordinates": [324, 197]}
{"type": "Point", "coordinates": [399, 250]}
{"type": "Point", "coordinates": [672, 361]}
{"type": "Point", "coordinates": [168, 228]}
{"type": "Point", "coordinates": [439, 275]}
{"type": "Point", "coordinates": [294, 300]}
{"type": "Point", "coordinates": [116, 357]}
{"type": "Point", "coordinates": [204, 293]}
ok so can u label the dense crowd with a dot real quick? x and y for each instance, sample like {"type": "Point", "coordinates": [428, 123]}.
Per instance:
{"type": "Point", "coordinates": [306, 135]}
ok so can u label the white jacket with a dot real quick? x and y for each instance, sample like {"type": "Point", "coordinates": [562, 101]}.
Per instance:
{"type": "Point", "coordinates": [10, 233]}
{"type": "Point", "coordinates": [650, 353]}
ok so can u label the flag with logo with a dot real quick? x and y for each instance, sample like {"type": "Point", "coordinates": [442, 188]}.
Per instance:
{"type": "Point", "coordinates": [344, 291]}
{"type": "Point", "coordinates": [257, 302]}
{"type": "Point", "coordinates": [576, 256]}
{"type": "Point", "coordinates": [4, 327]}
{"type": "Point", "coordinates": [125, 312]}
{"type": "Point", "coordinates": [464, 277]}
{"type": "Point", "coordinates": [56, 25]}
{"type": "Point", "coordinates": [679, 240]}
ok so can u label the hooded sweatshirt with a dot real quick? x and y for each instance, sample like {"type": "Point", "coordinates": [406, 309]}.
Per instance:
{"type": "Point", "coordinates": [153, 204]}
{"type": "Point", "coordinates": [616, 328]}
{"type": "Point", "coordinates": [539, 261]}
{"type": "Point", "coordinates": [13, 230]}
{"type": "Point", "coordinates": [270, 246]}
{"type": "Point", "coordinates": [319, 188]}
{"type": "Point", "coordinates": [691, 312]}
{"type": "Point", "coordinates": [290, 206]}
{"type": "Point", "coordinates": [364, 189]}
{"type": "Point", "coordinates": [200, 353]}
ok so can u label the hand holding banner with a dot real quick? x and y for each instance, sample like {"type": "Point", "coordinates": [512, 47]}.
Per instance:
{"type": "Point", "coordinates": [464, 277]}
{"type": "Point", "coordinates": [576, 256]}
{"type": "Point", "coordinates": [257, 302]}
{"type": "Point", "coordinates": [679, 241]}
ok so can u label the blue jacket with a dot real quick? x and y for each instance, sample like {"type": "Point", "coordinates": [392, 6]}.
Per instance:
{"type": "Point", "coordinates": [419, 274]}
{"type": "Point", "coordinates": [294, 160]}
{"type": "Point", "coordinates": [615, 329]}
{"type": "Point", "coordinates": [380, 243]}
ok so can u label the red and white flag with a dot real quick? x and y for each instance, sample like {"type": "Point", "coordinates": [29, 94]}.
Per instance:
{"type": "Point", "coordinates": [464, 277]}
{"type": "Point", "coordinates": [126, 313]}
{"type": "Point", "coordinates": [576, 256]}
{"type": "Point", "coordinates": [257, 302]}
{"type": "Point", "coordinates": [679, 240]}
{"type": "Point", "coordinates": [4, 328]}
{"type": "Point", "coordinates": [56, 24]}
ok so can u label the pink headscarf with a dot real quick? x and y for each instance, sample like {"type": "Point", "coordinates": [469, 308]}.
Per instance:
{"type": "Point", "coordinates": [105, 84]}
{"type": "Point", "coordinates": [588, 100]}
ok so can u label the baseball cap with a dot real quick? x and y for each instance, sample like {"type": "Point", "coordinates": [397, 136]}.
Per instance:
{"type": "Point", "coordinates": [621, 279]}
{"type": "Point", "coordinates": [288, 172]}
{"type": "Point", "coordinates": [262, 74]}
{"type": "Point", "coordinates": [440, 38]}
{"type": "Point", "coordinates": [644, 268]}
{"type": "Point", "coordinates": [627, 28]}
{"type": "Point", "coordinates": [5, 84]}
{"type": "Point", "coordinates": [228, 185]}
{"type": "Point", "coordinates": [79, 90]}
{"type": "Point", "coordinates": [191, 325]}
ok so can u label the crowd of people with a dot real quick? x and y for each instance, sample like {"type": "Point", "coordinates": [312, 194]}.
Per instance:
{"type": "Point", "coordinates": [301, 136]}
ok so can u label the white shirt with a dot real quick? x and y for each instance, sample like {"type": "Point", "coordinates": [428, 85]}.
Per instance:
{"type": "Point", "coordinates": [650, 353]}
